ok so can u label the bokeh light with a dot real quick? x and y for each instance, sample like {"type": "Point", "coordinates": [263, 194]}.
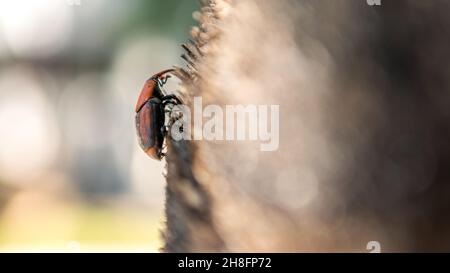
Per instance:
{"type": "Point", "coordinates": [37, 28]}
{"type": "Point", "coordinates": [28, 128]}
{"type": "Point", "coordinates": [72, 176]}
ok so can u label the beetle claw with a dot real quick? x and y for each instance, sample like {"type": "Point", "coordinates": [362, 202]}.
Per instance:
{"type": "Point", "coordinates": [166, 78]}
{"type": "Point", "coordinates": [163, 80]}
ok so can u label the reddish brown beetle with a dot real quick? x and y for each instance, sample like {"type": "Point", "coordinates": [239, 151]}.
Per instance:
{"type": "Point", "coordinates": [151, 114]}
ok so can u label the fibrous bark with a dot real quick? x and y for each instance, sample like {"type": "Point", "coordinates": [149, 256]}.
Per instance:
{"type": "Point", "coordinates": [364, 127]}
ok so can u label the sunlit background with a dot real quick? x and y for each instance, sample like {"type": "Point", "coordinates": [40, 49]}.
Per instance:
{"type": "Point", "coordinates": [72, 176]}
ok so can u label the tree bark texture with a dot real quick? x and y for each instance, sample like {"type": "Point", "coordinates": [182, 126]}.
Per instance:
{"type": "Point", "coordinates": [364, 151]}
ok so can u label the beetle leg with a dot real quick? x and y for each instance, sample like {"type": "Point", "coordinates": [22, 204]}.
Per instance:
{"type": "Point", "coordinates": [170, 99]}
{"type": "Point", "coordinates": [165, 129]}
{"type": "Point", "coordinates": [161, 154]}
{"type": "Point", "coordinates": [162, 80]}
{"type": "Point", "coordinates": [165, 78]}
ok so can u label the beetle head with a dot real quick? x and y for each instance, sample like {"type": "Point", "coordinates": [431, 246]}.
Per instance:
{"type": "Point", "coordinates": [151, 88]}
{"type": "Point", "coordinates": [161, 75]}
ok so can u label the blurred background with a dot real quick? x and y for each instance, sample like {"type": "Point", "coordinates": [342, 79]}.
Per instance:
{"type": "Point", "coordinates": [72, 176]}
